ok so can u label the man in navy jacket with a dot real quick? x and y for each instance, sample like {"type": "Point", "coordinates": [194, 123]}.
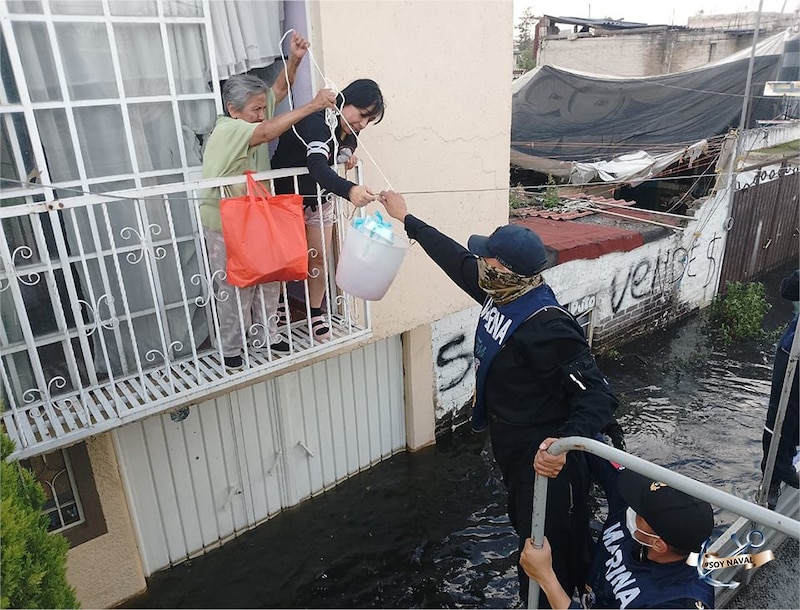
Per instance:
{"type": "Point", "coordinates": [640, 556]}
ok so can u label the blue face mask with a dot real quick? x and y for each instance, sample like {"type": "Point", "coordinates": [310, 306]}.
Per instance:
{"type": "Point", "coordinates": [630, 523]}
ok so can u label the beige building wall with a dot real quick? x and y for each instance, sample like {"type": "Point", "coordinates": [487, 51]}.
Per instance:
{"type": "Point", "coordinates": [107, 570]}
{"type": "Point", "coordinates": [443, 68]}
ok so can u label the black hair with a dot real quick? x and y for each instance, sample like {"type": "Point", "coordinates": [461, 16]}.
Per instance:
{"type": "Point", "coordinates": [365, 95]}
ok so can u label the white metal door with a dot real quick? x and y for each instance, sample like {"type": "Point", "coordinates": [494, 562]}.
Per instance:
{"type": "Point", "coordinates": [238, 459]}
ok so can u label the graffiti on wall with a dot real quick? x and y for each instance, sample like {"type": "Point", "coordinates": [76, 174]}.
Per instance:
{"type": "Point", "coordinates": [454, 374]}
{"type": "Point", "coordinates": [454, 362]}
{"type": "Point", "coordinates": [751, 178]}
{"type": "Point", "coordinates": [650, 277]}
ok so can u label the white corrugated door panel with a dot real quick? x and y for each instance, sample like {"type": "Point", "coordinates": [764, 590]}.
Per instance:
{"type": "Point", "coordinates": [134, 462]}
{"type": "Point", "coordinates": [345, 411]}
{"type": "Point", "coordinates": [358, 379]}
{"type": "Point", "coordinates": [184, 490]}
{"type": "Point", "coordinates": [168, 507]}
{"type": "Point", "coordinates": [259, 453]}
{"type": "Point", "coordinates": [306, 422]}
{"type": "Point", "coordinates": [370, 384]}
{"type": "Point", "coordinates": [344, 382]}
{"type": "Point", "coordinates": [331, 393]}
{"type": "Point", "coordinates": [394, 379]}
{"type": "Point", "coordinates": [204, 448]}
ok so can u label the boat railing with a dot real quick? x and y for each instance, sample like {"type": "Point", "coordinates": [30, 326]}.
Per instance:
{"type": "Point", "coordinates": [752, 513]}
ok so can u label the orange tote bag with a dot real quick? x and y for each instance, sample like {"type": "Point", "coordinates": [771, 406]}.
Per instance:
{"type": "Point", "coordinates": [265, 236]}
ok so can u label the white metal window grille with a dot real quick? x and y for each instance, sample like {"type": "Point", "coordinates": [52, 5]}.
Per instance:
{"type": "Point", "coordinates": [62, 503]}
{"type": "Point", "coordinates": [125, 325]}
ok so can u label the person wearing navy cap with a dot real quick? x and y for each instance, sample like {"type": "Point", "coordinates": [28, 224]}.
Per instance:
{"type": "Point", "coordinates": [640, 559]}
{"type": "Point", "coordinates": [535, 379]}
{"type": "Point", "coordinates": [789, 436]}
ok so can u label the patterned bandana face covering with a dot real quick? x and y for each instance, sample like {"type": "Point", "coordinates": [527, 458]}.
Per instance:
{"type": "Point", "coordinates": [505, 286]}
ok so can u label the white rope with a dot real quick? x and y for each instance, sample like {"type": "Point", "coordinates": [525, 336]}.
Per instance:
{"type": "Point", "coordinates": [330, 114]}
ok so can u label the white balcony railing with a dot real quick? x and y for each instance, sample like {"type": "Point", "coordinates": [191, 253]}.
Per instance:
{"type": "Point", "coordinates": [109, 312]}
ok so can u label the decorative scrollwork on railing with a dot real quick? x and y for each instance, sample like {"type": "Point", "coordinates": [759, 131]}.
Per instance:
{"type": "Point", "coordinates": [70, 405]}
{"type": "Point", "coordinates": [29, 279]}
{"type": "Point", "coordinates": [259, 331]}
{"type": "Point", "coordinates": [153, 354]}
{"type": "Point", "coordinates": [156, 253]}
{"type": "Point", "coordinates": [201, 280]}
{"type": "Point", "coordinates": [97, 321]}
{"type": "Point", "coordinates": [30, 395]}
{"type": "Point", "coordinates": [347, 304]}
{"type": "Point", "coordinates": [66, 405]}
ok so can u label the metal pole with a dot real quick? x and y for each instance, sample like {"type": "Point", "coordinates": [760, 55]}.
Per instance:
{"type": "Point", "coordinates": [783, 402]}
{"type": "Point", "coordinates": [537, 532]}
{"type": "Point", "coordinates": [752, 511]}
{"type": "Point", "coordinates": [743, 121]}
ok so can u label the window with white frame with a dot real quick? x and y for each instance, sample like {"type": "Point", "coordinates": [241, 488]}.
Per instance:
{"type": "Point", "coordinates": [62, 504]}
{"type": "Point", "coordinates": [72, 503]}
{"type": "Point", "coordinates": [99, 96]}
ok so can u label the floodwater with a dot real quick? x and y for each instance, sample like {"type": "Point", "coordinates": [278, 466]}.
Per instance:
{"type": "Point", "coordinates": [429, 529]}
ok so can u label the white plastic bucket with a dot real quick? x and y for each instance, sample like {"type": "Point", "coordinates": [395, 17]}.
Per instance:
{"type": "Point", "coordinates": [367, 266]}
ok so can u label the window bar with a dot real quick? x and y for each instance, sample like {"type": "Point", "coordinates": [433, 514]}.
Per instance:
{"type": "Point", "coordinates": [25, 100]}
{"type": "Point", "coordinates": [242, 329]}
{"type": "Point", "coordinates": [343, 300]}
{"type": "Point", "coordinates": [202, 265]}
{"type": "Point", "coordinates": [212, 56]}
{"type": "Point", "coordinates": [151, 253]}
{"type": "Point", "coordinates": [55, 297]}
{"type": "Point", "coordinates": [128, 319]}
{"type": "Point", "coordinates": [182, 285]}
{"type": "Point", "coordinates": [24, 434]}
{"type": "Point", "coordinates": [107, 289]}
{"type": "Point", "coordinates": [75, 305]}
{"type": "Point", "coordinates": [65, 97]}
{"type": "Point", "coordinates": [325, 272]}
{"type": "Point", "coordinates": [311, 342]}
{"type": "Point", "coordinates": [209, 279]}
{"type": "Point", "coordinates": [123, 99]}
{"type": "Point", "coordinates": [94, 301]}
{"type": "Point", "coordinates": [365, 304]}
{"type": "Point", "coordinates": [282, 293]}
{"type": "Point", "coordinates": [172, 92]}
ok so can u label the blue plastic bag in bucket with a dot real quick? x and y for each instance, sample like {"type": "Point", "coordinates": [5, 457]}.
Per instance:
{"type": "Point", "coordinates": [370, 258]}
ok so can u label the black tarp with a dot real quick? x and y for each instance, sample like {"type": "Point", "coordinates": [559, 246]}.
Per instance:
{"type": "Point", "coordinates": [567, 116]}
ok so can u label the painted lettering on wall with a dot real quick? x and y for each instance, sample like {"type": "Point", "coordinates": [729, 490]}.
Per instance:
{"type": "Point", "coordinates": [754, 177]}
{"type": "Point", "coordinates": [648, 277]}
{"type": "Point", "coordinates": [454, 362]}
{"type": "Point", "coordinates": [580, 306]}
{"type": "Point", "coordinates": [452, 342]}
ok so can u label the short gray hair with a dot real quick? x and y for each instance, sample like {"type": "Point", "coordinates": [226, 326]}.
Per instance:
{"type": "Point", "coordinates": [238, 90]}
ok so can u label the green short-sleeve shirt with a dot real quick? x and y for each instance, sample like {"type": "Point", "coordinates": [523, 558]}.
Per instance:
{"type": "Point", "coordinates": [228, 153]}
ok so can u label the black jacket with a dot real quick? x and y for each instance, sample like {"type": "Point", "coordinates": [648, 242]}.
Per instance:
{"type": "Point", "coordinates": [318, 158]}
{"type": "Point", "coordinates": [544, 381]}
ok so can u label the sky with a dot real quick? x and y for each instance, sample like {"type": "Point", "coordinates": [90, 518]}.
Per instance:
{"type": "Point", "coordinates": [671, 12]}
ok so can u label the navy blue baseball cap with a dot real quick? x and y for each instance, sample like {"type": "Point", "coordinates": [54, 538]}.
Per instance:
{"type": "Point", "coordinates": [515, 247]}
{"type": "Point", "coordinates": [679, 519]}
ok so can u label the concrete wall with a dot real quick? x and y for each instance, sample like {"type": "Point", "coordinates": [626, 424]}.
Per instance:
{"type": "Point", "coordinates": [446, 128]}
{"type": "Point", "coordinates": [631, 293]}
{"type": "Point", "coordinates": [744, 21]}
{"type": "Point", "coordinates": [645, 54]}
{"type": "Point", "coordinates": [107, 570]}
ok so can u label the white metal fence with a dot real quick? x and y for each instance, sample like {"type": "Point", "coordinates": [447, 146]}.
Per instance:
{"type": "Point", "coordinates": [109, 312]}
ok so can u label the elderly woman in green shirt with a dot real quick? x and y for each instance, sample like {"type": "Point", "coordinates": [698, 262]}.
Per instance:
{"type": "Point", "coordinates": [239, 142]}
